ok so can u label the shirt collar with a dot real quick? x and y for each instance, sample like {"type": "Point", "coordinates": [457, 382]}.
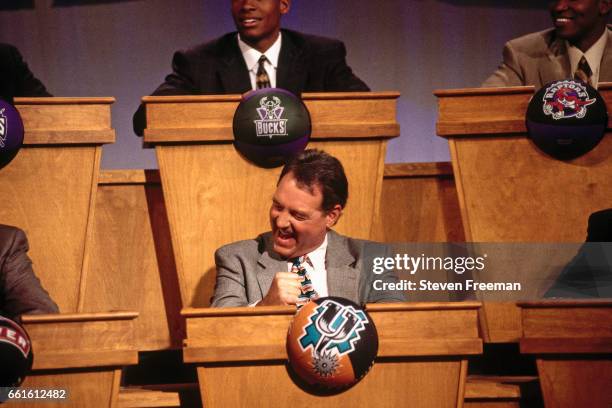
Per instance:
{"type": "Point", "coordinates": [593, 55]}
{"type": "Point", "coordinates": [251, 55]}
{"type": "Point", "coordinates": [317, 256]}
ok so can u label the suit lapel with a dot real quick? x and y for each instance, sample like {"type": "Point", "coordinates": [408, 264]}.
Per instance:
{"type": "Point", "coordinates": [556, 64]}
{"type": "Point", "coordinates": [291, 70]}
{"type": "Point", "coordinates": [605, 69]}
{"type": "Point", "coordinates": [342, 275]}
{"type": "Point", "coordinates": [234, 74]}
{"type": "Point", "coordinates": [268, 265]}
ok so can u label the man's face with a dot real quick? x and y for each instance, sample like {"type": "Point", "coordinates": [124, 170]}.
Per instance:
{"type": "Point", "coordinates": [298, 222]}
{"type": "Point", "coordinates": [581, 22]}
{"type": "Point", "coordinates": [258, 21]}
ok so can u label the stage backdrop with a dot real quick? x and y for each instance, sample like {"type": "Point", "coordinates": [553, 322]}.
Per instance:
{"type": "Point", "coordinates": [123, 48]}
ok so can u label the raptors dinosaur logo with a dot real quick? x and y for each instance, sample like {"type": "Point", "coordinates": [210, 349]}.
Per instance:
{"type": "Point", "coordinates": [567, 99]}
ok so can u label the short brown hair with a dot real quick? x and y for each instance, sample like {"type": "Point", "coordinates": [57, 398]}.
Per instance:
{"type": "Point", "coordinates": [316, 167]}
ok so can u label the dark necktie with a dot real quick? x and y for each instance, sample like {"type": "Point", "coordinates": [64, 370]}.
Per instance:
{"type": "Point", "coordinates": [308, 291]}
{"type": "Point", "coordinates": [262, 80]}
{"type": "Point", "coordinates": [583, 72]}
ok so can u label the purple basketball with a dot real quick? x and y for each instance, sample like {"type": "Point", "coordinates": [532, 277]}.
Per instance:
{"type": "Point", "coordinates": [566, 119]}
{"type": "Point", "coordinates": [270, 126]}
{"type": "Point", "coordinates": [11, 133]}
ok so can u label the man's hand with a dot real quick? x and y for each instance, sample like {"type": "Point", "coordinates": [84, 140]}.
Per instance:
{"type": "Point", "coordinates": [285, 289]}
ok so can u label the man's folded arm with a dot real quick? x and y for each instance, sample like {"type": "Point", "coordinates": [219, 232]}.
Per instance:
{"type": "Point", "coordinates": [230, 288]}
{"type": "Point", "coordinates": [23, 292]}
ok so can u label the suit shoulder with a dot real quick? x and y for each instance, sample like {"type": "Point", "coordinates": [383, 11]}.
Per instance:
{"type": "Point", "coordinates": [314, 43]}
{"type": "Point", "coordinates": [212, 49]}
{"type": "Point", "coordinates": [9, 230]}
{"type": "Point", "coordinates": [247, 247]}
{"type": "Point", "coordinates": [534, 43]}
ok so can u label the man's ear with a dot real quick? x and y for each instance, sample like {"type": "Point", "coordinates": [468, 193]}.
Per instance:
{"type": "Point", "coordinates": [333, 215]}
{"type": "Point", "coordinates": [285, 5]}
{"type": "Point", "coordinates": [605, 6]}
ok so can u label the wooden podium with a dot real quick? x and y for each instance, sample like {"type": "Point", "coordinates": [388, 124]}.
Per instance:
{"type": "Point", "coordinates": [80, 353]}
{"type": "Point", "coordinates": [422, 356]}
{"type": "Point", "coordinates": [49, 188]}
{"type": "Point", "coordinates": [509, 191]}
{"type": "Point", "coordinates": [214, 196]}
{"type": "Point", "coordinates": [572, 341]}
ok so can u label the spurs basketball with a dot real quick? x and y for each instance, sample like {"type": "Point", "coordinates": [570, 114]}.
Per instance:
{"type": "Point", "coordinates": [332, 343]}
{"type": "Point", "coordinates": [270, 126]}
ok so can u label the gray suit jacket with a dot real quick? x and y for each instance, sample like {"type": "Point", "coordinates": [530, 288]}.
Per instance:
{"type": "Point", "coordinates": [245, 270]}
{"type": "Point", "coordinates": [20, 290]}
{"type": "Point", "coordinates": [539, 58]}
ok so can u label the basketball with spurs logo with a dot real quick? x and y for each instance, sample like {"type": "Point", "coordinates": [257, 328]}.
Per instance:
{"type": "Point", "coordinates": [332, 343]}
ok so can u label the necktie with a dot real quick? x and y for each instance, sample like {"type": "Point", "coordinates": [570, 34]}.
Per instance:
{"type": "Point", "coordinates": [262, 80]}
{"type": "Point", "coordinates": [583, 72]}
{"type": "Point", "coordinates": [308, 291]}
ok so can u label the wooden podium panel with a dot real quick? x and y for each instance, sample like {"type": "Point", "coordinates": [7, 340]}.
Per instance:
{"type": "Point", "coordinates": [510, 191]}
{"type": "Point", "coordinates": [241, 356]}
{"type": "Point", "coordinates": [131, 261]}
{"type": "Point", "coordinates": [419, 204]}
{"type": "Point", "coordinates": [80, 353]}
{"type": "Point", "coordinates": [49, 188]}
{"type": "Point", "coordinates": [572, 341]}
{"type": "Point", "coordinates": [214, 196]}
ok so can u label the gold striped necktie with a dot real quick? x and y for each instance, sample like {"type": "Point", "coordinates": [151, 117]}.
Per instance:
{"type": "Point", "coordinates": [262, 80]}
{"type": "Point", "coordinates": [583, 72]}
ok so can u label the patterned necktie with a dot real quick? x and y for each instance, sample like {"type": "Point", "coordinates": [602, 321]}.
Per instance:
{"type": "Point", "coordinates": [308, 291]}
{"type": "Point", "coordinates": [583, 72]}
{"type": "Point", "coordinates": [262, 80]}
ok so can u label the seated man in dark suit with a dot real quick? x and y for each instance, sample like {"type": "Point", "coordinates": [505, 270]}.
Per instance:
{"type": "Point", "coordinates": [16, 79]}
{"type": "Point", "coordinates": [302, 257]}
{"type": "Point", "coordinates": [285, 59]}
{"type": "Point", "coordinates": [20, 290]}
{"type": "Point", "coordinates": [589, 274]}
{"type": "Point", "coordinates": [580, 46]}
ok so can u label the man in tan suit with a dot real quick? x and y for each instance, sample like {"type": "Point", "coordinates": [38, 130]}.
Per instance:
{"type": "Point", "coordinates": [539, 58]}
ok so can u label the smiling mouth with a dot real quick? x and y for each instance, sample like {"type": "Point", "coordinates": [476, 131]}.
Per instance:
{"type": "Point", "coordinates": [284, 237]}
{"type": "Point", "coordinates": [563, 20]}
{"type": "Point", "coordinates": [249, 22]}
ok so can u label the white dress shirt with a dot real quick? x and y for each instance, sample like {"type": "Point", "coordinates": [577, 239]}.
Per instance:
{"type": "Point", "coordinates": [251, 58]}
{"type": "Point", "coordinates": [317, 271]}
{"type": "Point", "coordinates": [593, 57]}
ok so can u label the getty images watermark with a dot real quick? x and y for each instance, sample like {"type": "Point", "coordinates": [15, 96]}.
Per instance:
{"type": "Point", "coordinates": [404, 264]}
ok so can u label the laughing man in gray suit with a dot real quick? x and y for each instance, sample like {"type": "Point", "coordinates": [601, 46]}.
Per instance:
{"type": "Point", "coordinates": [310, 196]}
{"type": "Point", "coordinates": [539, 58]}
